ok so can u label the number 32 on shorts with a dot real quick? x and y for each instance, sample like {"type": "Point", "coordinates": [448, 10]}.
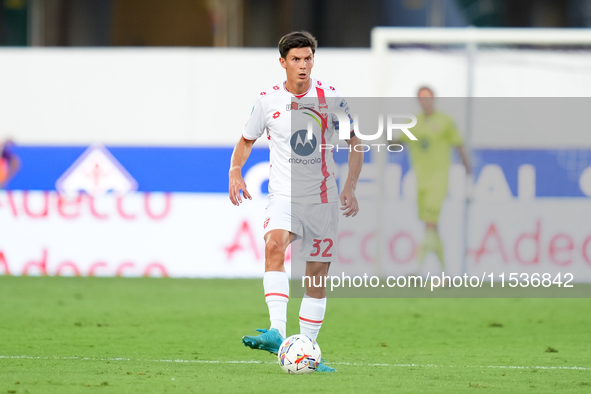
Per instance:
{"type": "Point", "coordinates": [326, 251]}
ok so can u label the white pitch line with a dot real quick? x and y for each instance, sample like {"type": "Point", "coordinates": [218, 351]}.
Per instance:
{"type": "Point", "coordinates": [273, 362]}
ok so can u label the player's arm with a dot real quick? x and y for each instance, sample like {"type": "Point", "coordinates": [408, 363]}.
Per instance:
{"type": "Point", "coordinates": [348, 200]}
{"type": "Point", "coordinates": [239, 156]}
{"type": "Point", "coordinates": [464, 156]}
{"type": "Point", "coordinates": [454, 138]}
{"type": "Point", "coordinates": [253, 129]}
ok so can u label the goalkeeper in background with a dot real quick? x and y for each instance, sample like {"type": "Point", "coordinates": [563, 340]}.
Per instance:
{"type": "Point", "coordinates": [430, 158]}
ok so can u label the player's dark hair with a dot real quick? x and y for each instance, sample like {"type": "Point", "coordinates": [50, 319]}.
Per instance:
{"type": "Point", "coordinates": [297, 39]}
{"type": "Point", "coordinates": [425, 87]}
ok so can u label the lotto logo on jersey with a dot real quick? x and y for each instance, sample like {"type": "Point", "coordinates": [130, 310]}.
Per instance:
{"type": "Point", "coordinates": [301, 144]}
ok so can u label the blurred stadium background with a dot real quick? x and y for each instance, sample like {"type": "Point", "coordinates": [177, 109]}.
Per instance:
{"type": "Point", "coordinates": [166, 87]}
{"type": "Point", "coordinates": [148, 97]}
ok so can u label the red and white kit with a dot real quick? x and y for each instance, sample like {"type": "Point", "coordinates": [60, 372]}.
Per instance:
{"type": "Point", "coordinates": [303, 195]}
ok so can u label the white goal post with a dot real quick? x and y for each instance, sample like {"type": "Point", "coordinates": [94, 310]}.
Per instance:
{"type": "Point", "coordinates": [382, 38]}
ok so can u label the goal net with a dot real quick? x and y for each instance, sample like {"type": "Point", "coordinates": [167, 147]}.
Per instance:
{"type": "Point", "coordinates": [474, 64]}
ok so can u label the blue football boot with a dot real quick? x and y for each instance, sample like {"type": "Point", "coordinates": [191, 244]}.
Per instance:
{"type": "Point", "coordinates": [324, 368]}
{"type": "Point", "coordinates": [269, 340]}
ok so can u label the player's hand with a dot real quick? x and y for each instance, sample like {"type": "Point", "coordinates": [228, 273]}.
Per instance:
{"type": "Point", "coordinates": [349, 203]}
{"type": "Point", "coordinates": [236, 184]}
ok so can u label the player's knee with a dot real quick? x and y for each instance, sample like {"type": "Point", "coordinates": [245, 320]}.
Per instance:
{"type": "Point", "coordinates": [274, 248]}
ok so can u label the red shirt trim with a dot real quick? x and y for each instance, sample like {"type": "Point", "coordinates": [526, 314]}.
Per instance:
{"type": "Point", "coordinates": [323, 187]}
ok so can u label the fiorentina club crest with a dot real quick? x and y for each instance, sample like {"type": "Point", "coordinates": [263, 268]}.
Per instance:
{"type": "Point", "coordinates": [96, 172]}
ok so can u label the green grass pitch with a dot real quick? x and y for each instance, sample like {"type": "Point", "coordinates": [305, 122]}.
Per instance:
{"type": "Point", "coordinates": [117, 335]}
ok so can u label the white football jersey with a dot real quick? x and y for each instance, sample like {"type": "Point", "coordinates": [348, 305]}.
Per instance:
{"type": "Point", "coordinates": [301, 165]}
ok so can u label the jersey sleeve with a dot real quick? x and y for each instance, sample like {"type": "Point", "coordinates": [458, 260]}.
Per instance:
{"type": "Point", "coordinates": [341, 104]}
{"type": "Point", "coordinates": [256, 125]}
{"type": "Point", "coordinates": [452, 135]}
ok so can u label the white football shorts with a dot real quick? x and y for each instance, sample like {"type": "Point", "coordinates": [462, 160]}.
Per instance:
{"type": "Point", "coordinates": [315, 224]}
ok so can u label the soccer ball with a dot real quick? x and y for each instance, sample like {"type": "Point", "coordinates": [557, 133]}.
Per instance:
{"type": "Point", "coordinates": [299, 354]}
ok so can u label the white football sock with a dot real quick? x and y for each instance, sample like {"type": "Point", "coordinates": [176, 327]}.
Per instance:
{"type": "Point", "coordinates": [311, 316]}
{"type": "Point", "coordinates": [276, 285]}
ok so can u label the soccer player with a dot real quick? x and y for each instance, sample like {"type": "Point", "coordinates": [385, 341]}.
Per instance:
{"type": "Point", "coordinates": [9, 163]}
{"type": "Point", "coordinates": [430, 156]}
{"type": "Point", "coordinates": [303, 195]}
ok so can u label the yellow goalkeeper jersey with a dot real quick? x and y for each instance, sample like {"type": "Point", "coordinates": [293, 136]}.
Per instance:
{"type": "Point", "coordinates": [431, 154]}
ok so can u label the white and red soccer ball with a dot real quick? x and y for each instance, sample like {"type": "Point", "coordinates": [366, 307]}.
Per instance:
{"type": "Point", "coordinates": [299, 354]}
